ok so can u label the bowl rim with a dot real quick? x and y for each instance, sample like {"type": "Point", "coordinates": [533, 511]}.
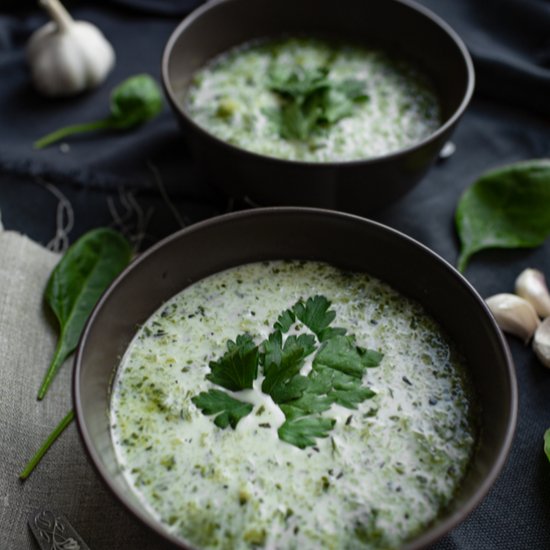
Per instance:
{"type": "Point", "coordinates": [430, 534]}
{"type": "Point", "coordinates": [442, 129]}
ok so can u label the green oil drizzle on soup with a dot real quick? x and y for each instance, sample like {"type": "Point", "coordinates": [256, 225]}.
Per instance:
{"type": "Point", "coordinates": [385, 471]}
{"type": "Point", "coordinates": [235, 99]}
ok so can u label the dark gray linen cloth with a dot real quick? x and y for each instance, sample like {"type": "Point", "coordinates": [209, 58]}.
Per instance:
{"type": "Point", "coordinates": [508, 120]}
{"type": "Point", "coordinates": [65, 482]}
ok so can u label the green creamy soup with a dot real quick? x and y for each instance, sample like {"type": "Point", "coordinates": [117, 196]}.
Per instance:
{"type": "Point", "coordinates": [354, 428]}
{"type": "Point", "coordinates": [311, 100]}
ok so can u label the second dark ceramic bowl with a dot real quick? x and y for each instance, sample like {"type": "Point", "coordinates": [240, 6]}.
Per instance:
{"type": "Point", "coordinates": [362, 186]}
{"type": "Point", "coordinates": [347, 241]}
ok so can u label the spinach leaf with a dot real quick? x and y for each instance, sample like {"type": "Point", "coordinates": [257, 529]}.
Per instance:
{"type": "Point", "coordinates": [44, 448]}
{"type": "Point", "coordinates": [76, 284]}
{"type": "Point", "coordinates": [133, 102]}
{"type": "Point", "coordinates": [505, 208]}
{"type": "Point", "coordinates": [547, 443]}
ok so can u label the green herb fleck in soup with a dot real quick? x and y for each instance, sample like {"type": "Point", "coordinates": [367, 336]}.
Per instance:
{"type": "Point", "coordinates": [292, 405]}
{"type": "Point", "coordinates": [311, 100]}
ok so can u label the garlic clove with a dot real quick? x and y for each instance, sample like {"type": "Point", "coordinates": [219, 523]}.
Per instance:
{"type": "Point", "coordinates": [514, 314]}
{"type": "Point", "coordinates": [541, 342]}
{"type": "Point", "coordinates": [531, 285]}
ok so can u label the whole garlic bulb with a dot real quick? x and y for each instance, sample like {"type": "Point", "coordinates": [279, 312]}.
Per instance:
{"type": "Point", "coordinates": [67, 56]}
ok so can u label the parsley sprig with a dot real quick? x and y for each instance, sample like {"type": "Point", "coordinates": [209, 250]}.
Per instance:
{"type": "Point", "coordinates": [335, 377]}
{"type": "Point", "coordinates": [310, 100]}
{"type": "Point", "coordinates": [238, 368]}
{"type": "Point", "coordinates": [228, 410]}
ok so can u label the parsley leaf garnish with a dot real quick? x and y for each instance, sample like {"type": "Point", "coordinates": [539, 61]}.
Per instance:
{"type": "Point", "coordinates": [316, 315]}
{"type": "Point", "coordinates": [310, 100]}
{"type": "Point", "coordinates": [285, 320]}
{"type": "Point", "coordinates": [283, 362]}
{"type": "Point", "coordinates": [342, 354]}
{"type": "Point", "coordinates": [343, 389]}
{"type": "Point", "coordinates": [238, 367]}
{"type": "Point", "coordinates": [324, 387]}
{"type": "Point", "coordinates": [231, 410]}
{"type": "Point", "coordinates": [336, 375]}
{"type": "Point", "coordinates": [302, 431]}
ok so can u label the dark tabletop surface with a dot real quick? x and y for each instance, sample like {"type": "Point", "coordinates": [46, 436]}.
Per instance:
{"type": "Point", "coordinates": [145, 184]}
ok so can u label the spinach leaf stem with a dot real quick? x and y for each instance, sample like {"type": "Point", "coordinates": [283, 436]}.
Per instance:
{"type": "Point", "coordinates": [57, 431]}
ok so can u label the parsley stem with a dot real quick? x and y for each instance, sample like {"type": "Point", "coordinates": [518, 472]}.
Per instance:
{"type": "Point", "coordinates": [57, 431]}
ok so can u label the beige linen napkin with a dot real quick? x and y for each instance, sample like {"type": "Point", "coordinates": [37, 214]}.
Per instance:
{"type": "Point", "coordinates": [64, 481]}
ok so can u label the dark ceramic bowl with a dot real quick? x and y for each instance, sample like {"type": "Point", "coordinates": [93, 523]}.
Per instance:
{"type": "Point", "coordinates": [397, 26]}
{"type": "Point", "coordinates": [298, 233]}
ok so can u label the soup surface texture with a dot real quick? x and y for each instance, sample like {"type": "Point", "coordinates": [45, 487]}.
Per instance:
{"type": "Point", "coordinates": [353, 430]}
{"type": "Point", "coordinates": [311, 100]}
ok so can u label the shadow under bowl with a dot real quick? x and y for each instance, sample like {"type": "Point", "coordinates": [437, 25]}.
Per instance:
{"type": "Point", "coordinates": [347, 241]}
{"type": "Point", "coordinates": [399, 27]}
